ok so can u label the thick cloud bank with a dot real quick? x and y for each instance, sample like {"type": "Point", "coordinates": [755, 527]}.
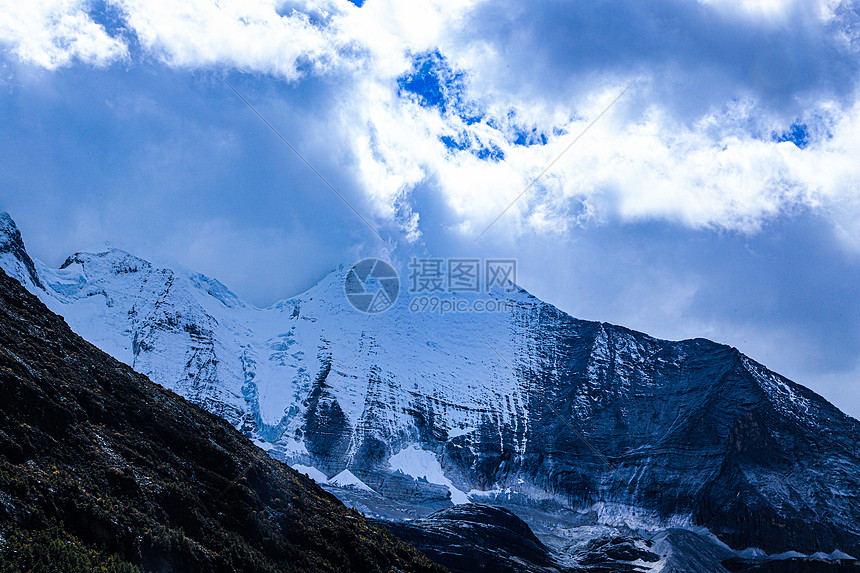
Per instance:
{"type": "Point", "coordinates": [739, 112]}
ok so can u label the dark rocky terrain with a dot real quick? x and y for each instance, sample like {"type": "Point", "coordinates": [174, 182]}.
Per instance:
{"type": "Point", "coordinates": [483, 538]}
{"type": "Point", "coordinates": [474, 537]}
{"type": "Point", "coordinates": [103, 470]}
{"type": "Point", "coordinates": [792, 565]}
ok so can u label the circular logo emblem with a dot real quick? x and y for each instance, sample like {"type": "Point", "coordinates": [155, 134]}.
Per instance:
{"type": "Point", "coordinates": [371, 286]}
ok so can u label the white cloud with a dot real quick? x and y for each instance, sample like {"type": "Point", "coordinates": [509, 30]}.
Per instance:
{"type": "Point", "coordinates": [754, 8]}
{"type": "Point", "coordinates": [775, 11]}
{"type": "Point", "coordinates": [709, 174]}
{"type": "Point", "coordinates": [53, 33]}
{"type": "Point", "coordinates": [288, 38]}
{"type": "Point", "coordinates": [720, 170]}
{"type": "Point", "coordinates": [250, 35]}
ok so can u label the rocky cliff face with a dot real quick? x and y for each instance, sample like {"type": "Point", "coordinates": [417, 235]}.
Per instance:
{"type": "Point", "coordinates": [525, 404]}
{"type": "Point", "coordinates": [474, 537]}
{"type": "Point", "coordinates": [102, 470]}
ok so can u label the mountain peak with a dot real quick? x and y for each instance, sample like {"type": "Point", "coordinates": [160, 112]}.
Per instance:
{"type": "Point", "coordinates": [110, 260]}
{"type": "Point", "coordinates": [12, 247]}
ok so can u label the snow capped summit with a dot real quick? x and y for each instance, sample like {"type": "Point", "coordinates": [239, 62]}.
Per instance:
{"type": "Point", "coordinates": [526, 401]}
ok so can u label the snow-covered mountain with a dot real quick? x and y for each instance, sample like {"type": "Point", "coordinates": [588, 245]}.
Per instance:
{"type": "Point", "coordinates": [529, 406]}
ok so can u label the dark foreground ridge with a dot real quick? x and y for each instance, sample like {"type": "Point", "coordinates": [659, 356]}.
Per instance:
{"type": "Point", "coordinates": [103, 470]}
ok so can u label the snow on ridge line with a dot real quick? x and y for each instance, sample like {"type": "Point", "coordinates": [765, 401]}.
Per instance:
{"type": "Point", "coordinates": [837, 555]}
{"type": "Point", "coordinates": [347, 479]}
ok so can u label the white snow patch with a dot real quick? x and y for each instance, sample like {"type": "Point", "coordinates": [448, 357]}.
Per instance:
{"type": "Point", "coordinates": [420, 463]}
{"type": "Point", "coordinates": [457, 432]}
{"type": "Point", "coordinates": [347, 479]}
{"type": "Point", "coordinates": [651, 567]}
{"type": "Point", "coordinates": [290, 447]}
{"type": "Point", "coordinates": [312, 473]}
{"type": "Point", "coordinates": [265, 446]}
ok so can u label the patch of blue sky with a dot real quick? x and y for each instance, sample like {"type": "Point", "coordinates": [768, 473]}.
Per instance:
{"type": "Point", "coordinates": [464, 141]}
{"type": "Point", "coordinates": [432, 83]}
{"type": "Point", "coordinates": [798, 134]}
{"type": "Point", "coordinates": [108, 16]}
{"type": "Point", "coordinates": [813, 127]}
{"type": "Point", "coordinates": [522, 134]}
{"type": "Point", "coordinates": [528, 137]}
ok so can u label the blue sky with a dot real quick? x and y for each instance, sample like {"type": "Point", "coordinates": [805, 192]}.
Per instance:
{"type": "Point", "coordinates": [718, 197]}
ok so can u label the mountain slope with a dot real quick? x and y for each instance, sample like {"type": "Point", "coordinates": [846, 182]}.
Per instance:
{"type": "Point", "coordinates": [100, 469]}
{"type": "Point", "coordinates": [526, 404]}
